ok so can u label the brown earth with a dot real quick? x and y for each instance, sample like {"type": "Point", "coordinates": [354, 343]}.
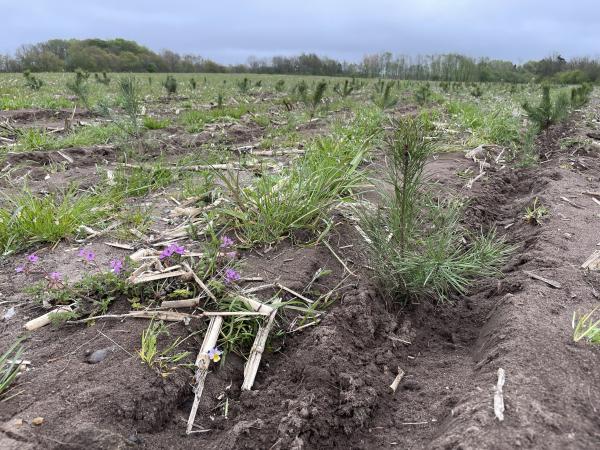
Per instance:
{"type": "Point", "coordinates": [327, 386]}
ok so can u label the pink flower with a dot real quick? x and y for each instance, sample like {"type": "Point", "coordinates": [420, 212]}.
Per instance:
{"type": "Point", "coordinates": [226, 242]}
{"type": "Point", "coordinates": [33, 258]}
{"type": "Point", "coordinates": [231, 275]}
{"type": "Point", "coordinates": [20, 269]}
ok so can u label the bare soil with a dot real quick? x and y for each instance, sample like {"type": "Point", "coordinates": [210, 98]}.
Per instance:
{"type": "Point", "coordinates": [327, 386]}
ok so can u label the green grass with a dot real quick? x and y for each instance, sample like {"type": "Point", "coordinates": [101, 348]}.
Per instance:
{"type": "Point", "coordinates": [299, 198]}
{"type": "Point", "coordinates": [153, 123]}
{"type": "Point", "coordinates": [27, 219]}
{"type": "Point", "coordinates": [195, 120]}
{"type": "Point", "coordinates": [585, 328]}
{"type": "Point", "coordinates": [37, 139]}
{"type": "Point", "coordinates": [9, 369]}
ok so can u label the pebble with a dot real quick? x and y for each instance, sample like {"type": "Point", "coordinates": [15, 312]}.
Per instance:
{"type": "Point", "coordinates": [97, 356]}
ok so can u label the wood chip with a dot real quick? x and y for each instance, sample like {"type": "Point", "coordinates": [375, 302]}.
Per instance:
{"type": "Point", "coordinates": [499, 396]}
{"type": "Point", "coordinates": [397, 380]}
{"type": "Point", "coordinates": [593, 262]}
{"type": "Point", "coordinates": [552, 283]}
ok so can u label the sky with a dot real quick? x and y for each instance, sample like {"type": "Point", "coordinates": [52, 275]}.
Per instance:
{"type": "Point", "coordinates": [230, 31]}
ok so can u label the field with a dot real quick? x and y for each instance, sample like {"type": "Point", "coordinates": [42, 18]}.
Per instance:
{"type": "Point", "coordinates": [295, 246]}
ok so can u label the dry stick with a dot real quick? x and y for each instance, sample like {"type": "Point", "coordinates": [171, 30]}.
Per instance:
{"type": "Point", "coordinates": [397, 380]}
{"type": "Point", "coordinates": [202, 363]}
{"type": "Point", "coordinates": [575, 205]}
{"type": "Point", "coordinates": [593, 262]}
{"type": "Point", "coordinates": [552, 283]}
{"type": "Point", "coordinates": [258, 347]}
{"type": "Point", "coordinates": [499, 396]}
{"type": "Point", "coordinates": [45, 319]}
{"type": "Point", "coordinates": [294, 293]}
{"type": "Point", "coordinates": [338, 258]}
{"type": "Point", "coordinates": [200, 282]}
{"type": "Point", "coordinates": [160, 276]}
{"type": "Point", "coordinates": [592, 194]}
{"type": "Point", "coordinates": [256, 306]}
{"type": "Point", "coordinates": [187, 303]}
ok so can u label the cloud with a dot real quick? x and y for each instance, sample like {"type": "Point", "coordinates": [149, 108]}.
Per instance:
{"type": "Point", "coordinates": [231, 30]}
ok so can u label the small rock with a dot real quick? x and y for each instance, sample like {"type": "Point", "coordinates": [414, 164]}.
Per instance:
{"type": "Point", "coordinates": [411, 385]}
{"type": "Point", "coordinates": [9, 314]}
{"type": "Point", "coordinates": [134, 439]}
{"type": "Point", "coordinates": [37, 421]}
{"type": "Point", "coordinates": [97, 356]}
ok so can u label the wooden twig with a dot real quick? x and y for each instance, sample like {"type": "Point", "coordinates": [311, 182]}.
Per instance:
{"type": "Point", "coordinates": [202, 364]}
{"type": "Point", "coordinates": [200, 282]}
{"type": "Point", "coordinates": [499, 396]}
{"type": "Point", "coordinates": [575, 205]}
{"type": "Point", "coordinates": [397, 380]}
{"type": "Point", "coordinates": [187, 303]}
{"type": "Point", "coordinates": [159, 276]}
{"type": "Point", "coordinates": [294, 293]}
{"type": "Point", "coordinates": [338, 258]}
{"type": "Point", "coordinates": [258, 347]}
{"type": "Point", "coordinates": [552, 283]}
{"type": "Point", "coordinates": [593, 262]}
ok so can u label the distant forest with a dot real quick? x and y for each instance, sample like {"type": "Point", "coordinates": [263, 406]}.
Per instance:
{"type": "Point", "coordinates": [120, 55]}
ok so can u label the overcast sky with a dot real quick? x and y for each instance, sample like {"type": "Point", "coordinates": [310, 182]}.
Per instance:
{"type": "Point", "coordinates": [229, 31]}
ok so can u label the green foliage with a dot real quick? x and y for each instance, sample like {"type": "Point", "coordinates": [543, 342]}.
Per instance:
{"type": "Point", "coordinates": [244, 85]}
{"type": "Point", "coordinates": [193, 84]}
{"type": "Point", "coordinates": [154, 123]}
{"type": "Point", "coordinates": [9, 368]}
{"type": "Point", "coordinates": [79, 87]}
{"type": "Point", "coordinates": [137, 181]}
{"type": "Point", "coordinates": [170, 85]}
{"type": "Point", "coordinates": [29, 219]}
{"type": "Point", "coordinates": [195, 120]}
{"type": "Point", "coordinates": [104, 79]}
{"type": "Point", "coordinates": [423, 94]}
{"type": "Point", "coordinates": [345, 90]}
{"type": "Point", "coordinates": [314, 101]}
{"type": "Point", "coordinates": [581, 95]}
{"type": "Point", "coordinates": [535, 213]}
{"type": "Point", "coordinates": [383, 95]}
{"type": "Point", "coordinates": [547, 112]}
{"type": "Point", "coordinates": [416, 242]}
{"type": "Point", "coordinates": [150, 354]}
{"type": "Point", "coordinates": [585, 328]}
{"type": "Point", "coordinates": [477, 92]}
{"type": "Point", "coordinates": [131, 102]}
{"type": "Point", "coordinates": [32, 82]}
{"type": "Point", "coordinates": [280, 85]}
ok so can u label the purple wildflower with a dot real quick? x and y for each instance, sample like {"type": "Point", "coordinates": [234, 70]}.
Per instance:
{"type": "Point", "coordinates": [215, 354]}
{"type": "Point", "coordinates": [20, 269]}
{"type": "Point", "coordinates": [33, 258]}
{"type": "Point", "coordinates": [173, 248]}
{"type": "Point", "coordinates": [55, 276]}
{"type": "Point", "coordinates": [87, 255]}
{"type": "Point", "coordinates": [231, 275]}
{"type": "Point", "coordinates": [226, 242]}
{"type": "Point", "coordinates": [116, 266]}
{"type": "Point", "coordinates": [231, 255]}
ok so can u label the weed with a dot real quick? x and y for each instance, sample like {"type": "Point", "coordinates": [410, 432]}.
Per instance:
{"type": "Point", "coordinates": [583, 327]}
{"type": "Point", "coordinates": [535, 213]}
{"type": "Point", "coordinates": [153, 123]}
{"type": "Point", "coordinates": [104, 79]}
{"type": "Point", "coordinates": [280, 85]}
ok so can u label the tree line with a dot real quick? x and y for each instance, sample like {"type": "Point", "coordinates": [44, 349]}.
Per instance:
{"type": "Point", "coordinates": [120, 55]}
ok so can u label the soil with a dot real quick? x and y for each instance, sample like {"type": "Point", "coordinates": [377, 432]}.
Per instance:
{"type": "Point", "coordinates": [327, 386]}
